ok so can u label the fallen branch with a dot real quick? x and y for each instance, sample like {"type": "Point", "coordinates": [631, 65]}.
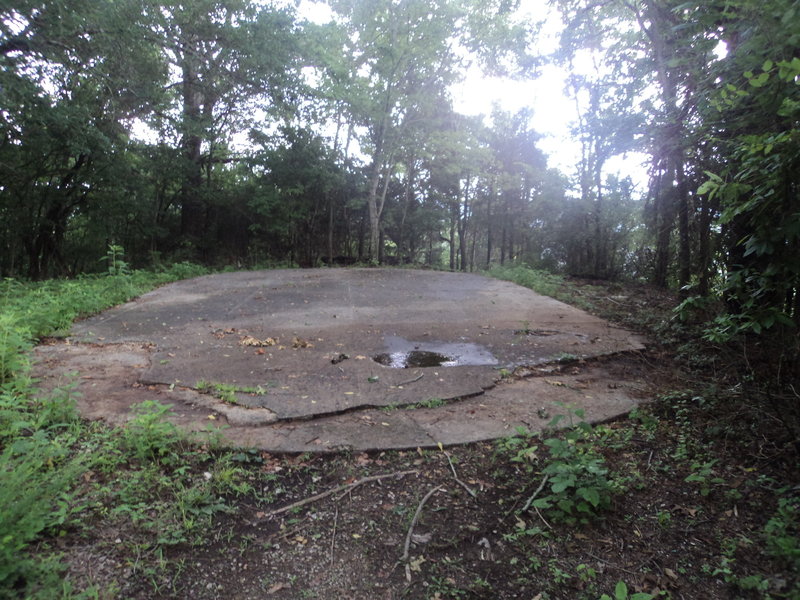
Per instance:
{"type": "Point", "coordinates": [536, 493]}
{"type": "Point", "coordinates": [339, 488]}
{"type": "Point", "coordinates": [406, 548]}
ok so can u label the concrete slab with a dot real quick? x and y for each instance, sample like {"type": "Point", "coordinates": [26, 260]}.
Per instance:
{"type": "Point", "coordinates": [292, 359]}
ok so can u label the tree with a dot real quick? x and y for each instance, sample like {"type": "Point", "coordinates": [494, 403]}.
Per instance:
{"type": "Point", "coordinates": [228, 58]}
{"type": "Point", "coordinates": [69, 84]}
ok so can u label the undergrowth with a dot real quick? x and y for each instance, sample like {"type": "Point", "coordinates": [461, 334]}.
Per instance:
{"type": "Point", "coordinates": [58, 472]}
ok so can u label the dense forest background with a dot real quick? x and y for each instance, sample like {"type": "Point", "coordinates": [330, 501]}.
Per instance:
{"type": "Point", "coordinates": [234, 132]}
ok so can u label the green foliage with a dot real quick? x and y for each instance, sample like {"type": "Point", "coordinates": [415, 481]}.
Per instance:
{"type": "Point", "coordinates": [540, 282]}
{"type": "Point", "coordinates": [703, 474]}
{"type": "Point", "coordinates": [35, 482]}
{"type": "Point", "coordinates": [14, 341]}
{"type": "Point", "coordinates": [782, 534]}
{"type": "Point", "coordinates": [621, 593]}
{"type": "Point", "coordinates": [578, 482]}
{"type": "Point", "coordinates": [46, 447]}
{"type": "Point", "coordinates": [576, 485]}
{"type": "Point", "coordinates": [150, 437]}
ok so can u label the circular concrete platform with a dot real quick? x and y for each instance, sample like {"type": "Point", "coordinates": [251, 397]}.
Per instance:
{"type": "Point", "coordinates": [297, 360]}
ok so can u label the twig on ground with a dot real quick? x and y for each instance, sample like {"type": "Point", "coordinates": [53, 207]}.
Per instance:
{"type": "Point", "coordinates": [333, 535]}
{"type": "Point", "coordinates": [470, 491]}
{"type": "Point", "coordinates": [338, 488]}
{"type": "Point", "coordinates": [542, 518]}
{"type": "Point", "coordinates": [536, 493]}
{"type": "Point", "coordinates": [407, 546]}
{"type": "Point", "coordinates": [417, 378]}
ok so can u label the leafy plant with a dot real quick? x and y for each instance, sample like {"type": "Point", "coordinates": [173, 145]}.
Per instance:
{"type": "Point", "coordinates": [149, 437]}
{"type": "Point", "coordinates": [577, 478]}
{"type": "Point", "coordinates": [621, 593]}
{"type": "Point", "coordinates": [782, 533]}
{"type": "Point", "coordinates": [703, 473]}
{"type": "Point", "coordinates": [115, 260]}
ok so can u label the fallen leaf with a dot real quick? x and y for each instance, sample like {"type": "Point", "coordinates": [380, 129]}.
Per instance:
{"type": "Point", "coordinates": [555, 383]}
{"type": "Point", "coordinates": [277, 588]}
{"type": "Point", "coordinates": [671, 574]}
{"type": "Point", "coordinates": [356, 536]}
{"type": "Point", "coordinates": [416, 564]}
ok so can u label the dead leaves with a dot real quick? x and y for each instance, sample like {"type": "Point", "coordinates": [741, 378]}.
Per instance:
{"type": "Point", "coordinates": [299, 342]}
{"type": "Point", "coordinates": [254, 342]}
{"type": "Point", "coordinates": [249, 340]}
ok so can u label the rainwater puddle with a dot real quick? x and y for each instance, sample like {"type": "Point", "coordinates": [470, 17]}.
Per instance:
{"type": "Point", "coordinates": [405, 354]}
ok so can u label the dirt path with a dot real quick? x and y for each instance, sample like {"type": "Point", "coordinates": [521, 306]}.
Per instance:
{"type": "Point", "coordinates": [293, 361]}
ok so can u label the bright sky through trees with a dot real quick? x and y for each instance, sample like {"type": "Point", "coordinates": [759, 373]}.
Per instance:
{"type": "Point", "coordinates": [554, 113]}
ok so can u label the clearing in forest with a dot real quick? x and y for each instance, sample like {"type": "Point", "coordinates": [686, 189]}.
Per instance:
{"type": "Point", "coordinates": [329, 359]}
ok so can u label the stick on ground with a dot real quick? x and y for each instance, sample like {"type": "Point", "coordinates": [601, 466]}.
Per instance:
{"type": "Point", "coordinates": [470, 491]}
{"type": "Point", "coordinates": [339, 488]}
{"type": "Point", "coordinates": [536, 493]}
{"type": "Point", "coordinates": [407, 546]}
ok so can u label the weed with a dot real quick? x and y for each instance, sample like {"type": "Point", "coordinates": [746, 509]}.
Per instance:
{"type": "Point", "coordinates": [577, 476]}
{"type": "Point", "coordinates": [621, 593]}
{"type": "Point", "coordinates": [149, 437]}
{"type": "Point", "coordinates": [115, 260]}
{"type": "Point", "coordinates": [703, 473]}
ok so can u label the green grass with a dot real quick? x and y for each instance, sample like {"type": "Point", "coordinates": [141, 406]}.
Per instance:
{"type": "Point", "coordinates": [58, 471]}
{"type": "Point", "coordinates": [541, 282]}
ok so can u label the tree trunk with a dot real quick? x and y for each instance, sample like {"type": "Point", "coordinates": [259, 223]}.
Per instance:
{"type": "Point", "coordinates": [192, 213]}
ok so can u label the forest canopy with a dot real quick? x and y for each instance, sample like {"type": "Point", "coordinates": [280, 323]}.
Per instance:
{"type": "Point", "coordinates": [238, 132]}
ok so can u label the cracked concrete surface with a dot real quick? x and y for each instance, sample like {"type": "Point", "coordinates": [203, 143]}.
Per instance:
{"type": "Point", "coordinates": [284, 359]}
